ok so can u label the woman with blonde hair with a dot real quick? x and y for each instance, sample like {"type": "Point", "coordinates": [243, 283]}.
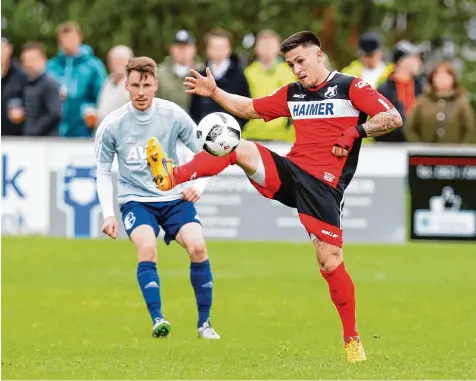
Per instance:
{"type": "Point", "coordinates": [443, 114]}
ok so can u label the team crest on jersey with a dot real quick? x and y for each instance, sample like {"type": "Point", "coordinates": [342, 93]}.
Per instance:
{"type": "Point", "coordinates": [331, 92]}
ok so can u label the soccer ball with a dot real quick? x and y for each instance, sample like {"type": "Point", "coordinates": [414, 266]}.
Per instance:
{"type": "Point", "coordinates": [219, 133]}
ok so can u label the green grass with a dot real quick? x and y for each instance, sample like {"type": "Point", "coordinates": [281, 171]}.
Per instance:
{"type": "Point", "coordinates": [71, 309]}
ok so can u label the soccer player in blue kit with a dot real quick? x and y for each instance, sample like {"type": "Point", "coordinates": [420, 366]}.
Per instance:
{"type": "Point", "coordinates": [125, 133]}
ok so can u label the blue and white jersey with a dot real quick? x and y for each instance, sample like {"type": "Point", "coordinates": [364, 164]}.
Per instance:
{"type": "Point", "coordinates": [124, 133]}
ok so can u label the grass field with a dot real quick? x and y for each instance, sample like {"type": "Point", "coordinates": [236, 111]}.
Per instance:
{"type": "Point", "coordinates": [71, 309]}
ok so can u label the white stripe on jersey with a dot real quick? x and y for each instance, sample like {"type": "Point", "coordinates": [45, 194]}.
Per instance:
{"type": "Point", "coordinates": [381, 101]}
{"type": "Point", "coordinates": [324, 109]}
{"type": "Point", "coordinates": [108, 120]}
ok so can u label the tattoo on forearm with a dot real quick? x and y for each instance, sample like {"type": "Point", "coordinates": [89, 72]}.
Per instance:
{"type": "Point", "coordinates": [383, 123]}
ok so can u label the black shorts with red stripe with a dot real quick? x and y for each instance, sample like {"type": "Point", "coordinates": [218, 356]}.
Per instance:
{"type": "Point", "coordinates": [319, 205]}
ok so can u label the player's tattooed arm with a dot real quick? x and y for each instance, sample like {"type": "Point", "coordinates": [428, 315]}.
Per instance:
{"type": "Point", "coordinates": [383, 123]}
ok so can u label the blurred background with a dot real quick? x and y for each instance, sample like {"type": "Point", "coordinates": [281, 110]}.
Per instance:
{"type": "Point", "coordinates": [63, 72]}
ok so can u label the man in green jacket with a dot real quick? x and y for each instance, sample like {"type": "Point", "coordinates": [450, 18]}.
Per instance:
{"type": "Point", "coordinates": [174, 68]}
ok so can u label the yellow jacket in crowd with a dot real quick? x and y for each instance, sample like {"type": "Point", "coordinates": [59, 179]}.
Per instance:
{"type": "Point", "coordinates": [263, 82]}
{"type": "Point", "coordinates": [356, 68]}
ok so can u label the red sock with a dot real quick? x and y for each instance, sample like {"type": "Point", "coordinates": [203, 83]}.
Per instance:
{"type": "Point", "coordinates": [342, 291]}
{"type": "Point", "coordinates": [203, 165]}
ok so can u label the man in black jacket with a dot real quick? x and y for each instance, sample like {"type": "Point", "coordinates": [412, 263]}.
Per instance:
{"type": "Point", "coordinates": [403, 85]}
{"type": "Point", "coordinates": [13, 83]}
{"type": "Point", "coordinates": [228, 74]}
{"type": "Point", "coordinates": [42, 98]}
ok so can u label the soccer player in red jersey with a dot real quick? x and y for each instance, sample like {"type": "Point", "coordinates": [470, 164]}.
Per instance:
{"type": "Point", "coordinates": [330, 113]}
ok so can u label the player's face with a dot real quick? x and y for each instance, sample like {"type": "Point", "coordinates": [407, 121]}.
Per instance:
{"type": "Point", "coordinates": [142, 89]}
{"type": "Point", "coordinates": [306, 63]}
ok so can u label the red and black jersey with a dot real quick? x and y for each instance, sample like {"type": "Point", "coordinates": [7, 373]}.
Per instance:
{"type": "Point", "coordinates": [320, 116]}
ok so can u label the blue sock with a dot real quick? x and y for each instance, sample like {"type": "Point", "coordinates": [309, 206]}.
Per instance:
{"type": "Point", "coordinates": [149, 283]}
{"type": "Point", "coordinates": [202, 282]}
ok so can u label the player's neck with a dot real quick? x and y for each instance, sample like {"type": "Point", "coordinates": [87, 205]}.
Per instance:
{"type": "Point", "coordinates": [322, 77]}
{"type": "Point", "coordinates": [143, 115]}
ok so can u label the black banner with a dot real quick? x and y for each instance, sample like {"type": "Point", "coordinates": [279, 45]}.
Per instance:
{"type": "Point", "coordinates": [443, 197]}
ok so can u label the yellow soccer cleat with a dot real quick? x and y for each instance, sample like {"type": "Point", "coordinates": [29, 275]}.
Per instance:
{"type": "Point", "coordinates": [355, 351]}
{"type": "Point", "coordinates": [162, 168]}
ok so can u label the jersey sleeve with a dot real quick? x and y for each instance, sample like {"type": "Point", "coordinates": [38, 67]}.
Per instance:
{"type": "Point", "coordinates": [367, 99]}
{"type": "Point", "coordinates": [105, 148]}
{"type": "Point", "coordinates": [187, 130]}
{"type": "Point", "coordinates": [274, 105]}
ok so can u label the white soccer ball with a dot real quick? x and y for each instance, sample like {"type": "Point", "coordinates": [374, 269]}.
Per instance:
{"type": "Point", "coordinates": [219, 133]}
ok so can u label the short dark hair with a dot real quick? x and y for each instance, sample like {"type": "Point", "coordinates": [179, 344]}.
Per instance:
{"type": "Point", "coordinates": [38, 46]}
{"type": "Point", "coordinates": [218, 32]}
{"type": "Point", "coordinates": [304, 38]}
{"type": "Point", "coordinates": [144, 65]}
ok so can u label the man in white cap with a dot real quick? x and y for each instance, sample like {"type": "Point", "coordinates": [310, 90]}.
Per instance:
{"type": "Point", "coordinates": [174, 68]}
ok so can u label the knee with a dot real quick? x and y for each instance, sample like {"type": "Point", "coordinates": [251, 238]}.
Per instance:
{"type": "Point", "coordinates": [247, 155]}
{"type": "Point", "coordinates": [147, 251]}
{"type": "Point", "coordinates": [329, 257]}
{"type": "Point", "coordinates": [197, 251]}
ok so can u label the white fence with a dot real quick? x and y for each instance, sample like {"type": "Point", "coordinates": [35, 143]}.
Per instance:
{"type": "Point", "coordinates": [48, 188]}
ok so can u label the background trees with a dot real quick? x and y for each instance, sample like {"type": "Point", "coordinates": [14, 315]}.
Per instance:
{"type": "Point", "coordinates": [148, 26]}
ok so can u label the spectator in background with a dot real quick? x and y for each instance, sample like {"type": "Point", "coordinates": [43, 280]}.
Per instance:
{"type": "Point", "coordinates": [113, 93]}
{"type": "Point", "coordinates": [81, 76]}
{"type": "Point", "coordinates": [13, 84]}
{"type": "Point", "coordinates": [42, 101]}
{"type": "Point", "coordinates": [444, 113]}
{"type": "Point", "coordinates": [226, 70]}
{"type": "Point", "coordinates": [174, 68]}
{"type": "Point", "coordinates": [370, 66]}
{"type": "Point", "coordinates": [267, 74]}
{"type": "Point", "coordinates": [403, 85]}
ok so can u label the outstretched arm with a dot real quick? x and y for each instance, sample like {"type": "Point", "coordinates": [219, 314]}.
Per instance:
{"type": "Point", "coordinates": [237, 105]}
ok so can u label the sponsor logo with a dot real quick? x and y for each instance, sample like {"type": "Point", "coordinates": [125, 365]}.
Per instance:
{"type": "Point", "coordinates": [328, 233]}
{"type": "Point", "coordinates": [329, 177]}
{"type": "Point", "coordinates": [312, 108]}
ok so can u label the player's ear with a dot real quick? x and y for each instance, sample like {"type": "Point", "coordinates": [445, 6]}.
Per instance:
{"type": "Point", "coordinates": [319, 55]}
